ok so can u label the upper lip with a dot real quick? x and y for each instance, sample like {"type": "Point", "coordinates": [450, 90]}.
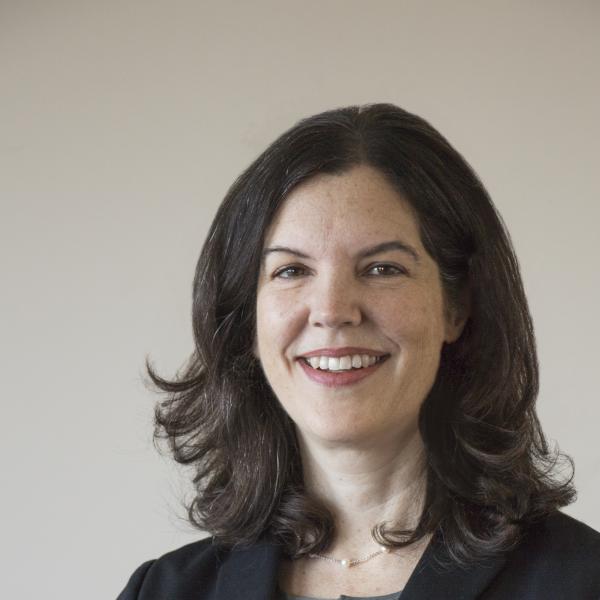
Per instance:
{"type": "Point", "coordinates": [345, 351]}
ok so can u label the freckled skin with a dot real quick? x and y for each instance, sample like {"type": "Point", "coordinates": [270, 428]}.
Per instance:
{"type": "Point", "coordinates": [335, 299]}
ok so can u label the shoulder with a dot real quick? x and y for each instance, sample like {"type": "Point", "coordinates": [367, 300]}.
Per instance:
{"type": "Point", "coordinates": [189, 565]}
{"type": "Point", "coordinates": [563, 536]}
{"type": "Point", "coordinates": [556, 558]}
{"type": "Point", "coordinates": [202, 570]}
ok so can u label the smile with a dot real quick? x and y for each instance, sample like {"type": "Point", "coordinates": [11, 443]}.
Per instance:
{"type": "Point", "coordinates": [342, 363]}
{"type": "Point", "coordinates": [340, 371]}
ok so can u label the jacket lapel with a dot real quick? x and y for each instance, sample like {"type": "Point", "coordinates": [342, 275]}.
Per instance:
{"type": "Point", "coordinates": [249, 573]}
{"type": "Point", "coordinates": [430, 580]}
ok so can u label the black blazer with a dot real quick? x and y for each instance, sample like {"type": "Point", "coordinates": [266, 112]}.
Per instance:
{"type": "Point", "coordinates": [558, 559]}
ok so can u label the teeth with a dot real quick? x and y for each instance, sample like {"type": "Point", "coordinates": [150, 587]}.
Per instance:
{"type": "Point", "coordinates": [334, 364]}
{"type": "Point", "coordinates": [342, 363]}
{"type": "Point", "coordinates": [345, 363]}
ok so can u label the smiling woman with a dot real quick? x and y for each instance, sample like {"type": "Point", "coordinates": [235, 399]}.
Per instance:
{"type": "Point", "coordinates": [360, 404]}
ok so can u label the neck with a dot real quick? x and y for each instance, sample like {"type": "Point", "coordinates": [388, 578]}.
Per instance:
{"type": "Point", "coordinates": [366, 485]}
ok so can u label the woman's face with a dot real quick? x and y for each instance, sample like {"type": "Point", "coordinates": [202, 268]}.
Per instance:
{"type": "Point", "coordinates": [350, 312]}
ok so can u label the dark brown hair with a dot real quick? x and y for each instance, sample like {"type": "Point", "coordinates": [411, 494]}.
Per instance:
{"type": "Point", "coordinates": [489, 468]}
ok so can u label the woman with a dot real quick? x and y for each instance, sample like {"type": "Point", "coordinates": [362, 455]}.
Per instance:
{"type": "Point", "coordinates": [360, 405]}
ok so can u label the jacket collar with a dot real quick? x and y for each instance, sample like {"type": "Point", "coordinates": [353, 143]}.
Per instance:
{"type": "Point", "coordinates": [251, 574]}
{"type": "Point", "coordinates": [430, 580]}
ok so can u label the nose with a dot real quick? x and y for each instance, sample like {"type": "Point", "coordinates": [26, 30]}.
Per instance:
{"type": "Point", "coordinates": [334, 302]}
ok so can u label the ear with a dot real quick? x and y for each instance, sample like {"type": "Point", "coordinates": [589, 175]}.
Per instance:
{"type": "Point", "coordinates": [255, 348]}
{"type": "Point", "coordinates": [454, 328]}
{"type": "Point", "coordinates": [457, 317]}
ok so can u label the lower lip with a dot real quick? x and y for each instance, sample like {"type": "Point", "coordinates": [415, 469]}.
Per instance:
{"type": "Point", "coordinates": [338, 378]}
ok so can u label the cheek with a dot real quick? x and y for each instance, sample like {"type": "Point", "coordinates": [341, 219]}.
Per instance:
{"type": "Point", "coordinates": [278, 320]}
{"type": "Point", "coordinates": [412, 319]}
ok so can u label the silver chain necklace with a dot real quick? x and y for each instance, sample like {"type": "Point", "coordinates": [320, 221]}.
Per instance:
{"type": "Point", "coordinates": [352, 562]}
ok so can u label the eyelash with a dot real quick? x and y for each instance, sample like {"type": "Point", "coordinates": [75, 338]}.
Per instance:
{"type": "Point", "coordinates": [399, 270]}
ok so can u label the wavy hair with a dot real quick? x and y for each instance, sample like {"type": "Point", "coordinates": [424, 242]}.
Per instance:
{"type": "Point", "coordinates": [489, 470]}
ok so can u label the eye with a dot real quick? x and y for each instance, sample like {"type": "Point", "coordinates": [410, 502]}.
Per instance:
{"type": "Point", "coordinates": [385, 270]}
{"type": "Point", "coordinates": [289, 272]}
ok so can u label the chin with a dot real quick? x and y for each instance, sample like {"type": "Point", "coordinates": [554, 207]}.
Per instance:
{"type": "Point", "coordinates": [338, 432]}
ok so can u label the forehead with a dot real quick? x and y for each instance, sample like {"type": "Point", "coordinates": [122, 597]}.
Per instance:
{"type": "Point", "coordinates": [354, 207]}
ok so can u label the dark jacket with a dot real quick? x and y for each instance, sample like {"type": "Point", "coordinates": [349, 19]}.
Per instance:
{"type": "Point", "coordinates": [558, 559]}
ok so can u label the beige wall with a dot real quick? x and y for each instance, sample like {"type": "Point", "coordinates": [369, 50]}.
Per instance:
{"type": "Point", "coordinates": [122, 123]}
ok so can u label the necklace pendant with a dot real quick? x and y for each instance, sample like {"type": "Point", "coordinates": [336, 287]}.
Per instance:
{"type": "Point", "coordinates": [345, 562]}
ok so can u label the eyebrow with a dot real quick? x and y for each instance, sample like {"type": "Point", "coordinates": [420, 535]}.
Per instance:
{"type": "Point", "coordinates": [364, 253]}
